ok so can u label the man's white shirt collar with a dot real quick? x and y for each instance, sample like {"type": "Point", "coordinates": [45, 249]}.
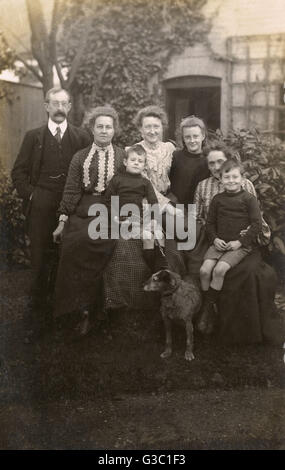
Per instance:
{"type": "Point", "coordinates": [53, 126]}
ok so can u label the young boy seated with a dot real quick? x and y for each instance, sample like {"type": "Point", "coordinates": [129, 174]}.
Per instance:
{"type": "Point", "coordinates": [232, 226]}
{"type": "Point", "coordinates": [133, 188]}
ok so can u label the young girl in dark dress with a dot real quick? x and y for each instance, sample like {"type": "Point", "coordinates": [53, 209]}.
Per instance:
{"type": "Point", "coordinates": [189, 166]}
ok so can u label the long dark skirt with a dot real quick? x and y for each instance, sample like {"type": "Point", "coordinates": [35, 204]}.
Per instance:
{"type": "Point", "coordinates": [127, 271]}
{"type": "Point", "coordinates": [82, 262]}
{"type": "Point", "coordinates": [247, 313]}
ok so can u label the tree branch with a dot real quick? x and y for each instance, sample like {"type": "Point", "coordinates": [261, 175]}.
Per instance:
{"type": "Point", "coordinates": [56, 15]}
{"type": "Point", "coordinates": [39, 35]}
{"type": "Point", "coordinates": [100, 77]}
{"type": "Point", "coordinates": [77, 59]}
{"type": "Point", "coordinates": [57, 8]}
{"type": "Point", "coordinates": [59, 73]}
{"type": "Point", "coordinates": [30, 67]}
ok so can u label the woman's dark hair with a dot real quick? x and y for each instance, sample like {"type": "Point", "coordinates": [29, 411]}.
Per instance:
{"type": "Point", "coordinates": [151, 111]}
{"type": "Point", "coordinates": [190, 121]}
{"type": "Point", "coordinates": [219, 146]}
{"type": "Point", "coordinates": [94, 113]}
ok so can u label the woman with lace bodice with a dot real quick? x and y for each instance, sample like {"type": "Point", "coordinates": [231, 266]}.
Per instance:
{"type": "Point", "coordinates": [83, 258]}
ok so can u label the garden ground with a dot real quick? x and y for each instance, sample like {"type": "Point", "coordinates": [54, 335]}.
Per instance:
{"type": "Point", "coordinates": [111, 390]}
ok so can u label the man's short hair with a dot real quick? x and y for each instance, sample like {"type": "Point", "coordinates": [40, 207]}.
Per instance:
{"type": "Point", "coordinates": [53, 91]}
{"type": "Point", "coordinates": [231, 164]}
{"type": "Point", "coordinates": [138, 149]}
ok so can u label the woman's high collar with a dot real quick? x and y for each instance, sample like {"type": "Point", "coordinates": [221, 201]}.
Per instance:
{"type": "Point", "coordinates": [191, 154]}
{"type": "Point", "coordinates": [154, 146]}
{"type": "Point", "coordinates": [100, 147]}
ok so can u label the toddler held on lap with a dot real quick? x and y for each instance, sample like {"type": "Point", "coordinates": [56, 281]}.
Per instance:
{"type": "Point", "coordinates": [133, 188]}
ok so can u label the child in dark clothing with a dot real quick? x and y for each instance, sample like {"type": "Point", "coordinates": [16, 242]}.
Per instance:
{"type": "Point", "coordinates": [133, 188]}
{"type": "Point", "coordinates": [232, 226]}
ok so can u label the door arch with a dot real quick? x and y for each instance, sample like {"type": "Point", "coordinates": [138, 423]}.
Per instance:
{"type": "Point", "coordinates": [199, 95]}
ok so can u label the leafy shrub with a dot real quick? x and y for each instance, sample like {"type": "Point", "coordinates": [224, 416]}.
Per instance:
{"type": "Point", "coordinates": [13, 243]}
{"type": "Point", "coordinates": [263, 158]}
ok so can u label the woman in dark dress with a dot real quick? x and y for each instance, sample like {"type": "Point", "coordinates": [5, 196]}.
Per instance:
{"type": "Point", "coordinates": [83, 259]}
{"type": "Point", "coordinates": [246, 309]}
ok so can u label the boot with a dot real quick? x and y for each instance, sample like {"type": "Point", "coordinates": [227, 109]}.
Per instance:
{"type": "Point", "coordinates": [84, 326]}
{"type": "Point", "coordinates": [206, 322]}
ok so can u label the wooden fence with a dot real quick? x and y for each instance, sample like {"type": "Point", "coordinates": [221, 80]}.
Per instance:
{"type": "Point", "coordinates": [21, 109]}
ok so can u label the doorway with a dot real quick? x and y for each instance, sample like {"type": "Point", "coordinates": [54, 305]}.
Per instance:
{"type": "Point", "coordinates": [193, 95]}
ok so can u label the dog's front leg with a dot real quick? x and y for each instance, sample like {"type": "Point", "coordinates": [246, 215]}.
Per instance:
{"type": "Point", "coordinates": [168, 339]}
{"type": "Point", "coordinates": [189, 341]}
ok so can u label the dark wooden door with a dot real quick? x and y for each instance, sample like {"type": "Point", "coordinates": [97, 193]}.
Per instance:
{"type": "Point", "coordinates": [204, 102]}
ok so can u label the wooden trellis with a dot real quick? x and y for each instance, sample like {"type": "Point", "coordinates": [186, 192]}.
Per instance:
{"type": "Point", "coordinates": [256, 78]}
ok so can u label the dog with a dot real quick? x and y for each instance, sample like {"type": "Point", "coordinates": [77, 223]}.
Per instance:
{"type": "Point", "coordinates": [180, 299]}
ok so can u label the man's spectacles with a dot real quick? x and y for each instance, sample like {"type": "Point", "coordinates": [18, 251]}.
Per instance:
{"type": "Point", "coordinates": [57, 104]}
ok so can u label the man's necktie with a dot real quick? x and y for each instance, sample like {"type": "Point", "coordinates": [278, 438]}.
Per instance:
{"type": "Point", "coordinates": [58, 134]}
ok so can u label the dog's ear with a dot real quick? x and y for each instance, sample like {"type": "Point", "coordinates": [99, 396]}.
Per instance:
{"type": "Point", "coordinates": [164, 275]}
{"type": "Point", "coordinates": [173, 278]}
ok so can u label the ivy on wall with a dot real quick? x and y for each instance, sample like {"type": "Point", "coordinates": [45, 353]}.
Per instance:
{"type": "Point", "coordinates": [129, 47]}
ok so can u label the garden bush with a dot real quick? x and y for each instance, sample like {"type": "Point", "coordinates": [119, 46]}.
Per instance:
{"type": "Point", "coordinates": [13, 243]}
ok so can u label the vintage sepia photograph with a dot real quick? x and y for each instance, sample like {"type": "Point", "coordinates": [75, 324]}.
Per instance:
{"type": "Point", "coordinates": [142, 227]}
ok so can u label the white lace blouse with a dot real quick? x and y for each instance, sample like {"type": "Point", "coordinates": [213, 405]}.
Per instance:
{"type": "Point", "coordinates": [158, 163]}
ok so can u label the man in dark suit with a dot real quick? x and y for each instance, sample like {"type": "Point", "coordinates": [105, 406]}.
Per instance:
{"type": "Point", "coordinates": [39, 175]}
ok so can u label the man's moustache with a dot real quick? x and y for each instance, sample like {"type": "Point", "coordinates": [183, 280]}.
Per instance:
{"type": "Point", "coordinates": [59, 113]}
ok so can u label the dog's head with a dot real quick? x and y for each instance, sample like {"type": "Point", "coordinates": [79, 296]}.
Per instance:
{"type": "Point", "coordinates": [163, 281]}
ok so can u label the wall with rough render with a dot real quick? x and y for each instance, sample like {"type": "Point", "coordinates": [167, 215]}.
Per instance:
{"type": "Point", "coordinates": [242, 18]}
{"type": "Point", "coordinates": [231, 18]}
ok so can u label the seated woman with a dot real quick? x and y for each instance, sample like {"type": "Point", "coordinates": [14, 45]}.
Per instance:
{"type": "Point", "coordinates": [246, 307]}
{"type": "Point", "coordinates": [83, 258]}
{"type": "Point", "coordinates": [135, 191]}
{"type": "Point", "coordinates": [127, 270]}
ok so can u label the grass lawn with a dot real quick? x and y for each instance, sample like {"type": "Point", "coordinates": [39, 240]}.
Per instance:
{"type": "Point", "coordinates": [112, 389]}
